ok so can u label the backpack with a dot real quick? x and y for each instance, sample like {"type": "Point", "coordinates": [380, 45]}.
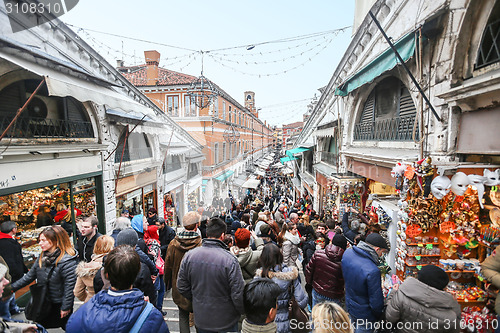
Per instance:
{"type": "Point", "coordinates": [154, 250]}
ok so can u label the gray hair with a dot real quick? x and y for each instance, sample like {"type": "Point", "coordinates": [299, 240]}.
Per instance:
{"type": "Point", "coordinates": [122, 223]}
{"type": "Point", "coordinates": [7, 226]}
{"type": "Point", "coordinates": [294, 216]}
{"type": "Point", "coordinates": [362, 228]}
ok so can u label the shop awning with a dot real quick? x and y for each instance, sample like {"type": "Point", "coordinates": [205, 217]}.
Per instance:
{"type": "Point", "coordinates": [325, 132]}
{"type": "Point", "coordinates": [251, 183]}
{"type": "Point", "coordinates": [173, 185]}
{"type": "Point", "coordinates": [297, 150]}
{"type": "Point", "coordinates": [260, 172]}
{"type": "Point", "coordinates": [384, 62]}
{"type": "Point", "coordinates": [240, 180]}
{"type": "Point", "coordinates": [204, 182]}
{"type": "Point", "coordinates": [286, 159]}
{"type": "Point", "coordinates": [307, 145]}
{"type": "Point", "coordinates": [225, 175]}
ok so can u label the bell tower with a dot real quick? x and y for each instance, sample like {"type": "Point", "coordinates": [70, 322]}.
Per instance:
{"type": "Point", "coordinates": [250, 102]}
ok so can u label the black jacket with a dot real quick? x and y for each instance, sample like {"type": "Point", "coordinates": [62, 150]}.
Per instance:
{"type": "Point", "coordinates": [11, 251]}
{"type": "Point", "coordinates": [86, 248]}
{"type": "Point", "coordinates": [167, 234]}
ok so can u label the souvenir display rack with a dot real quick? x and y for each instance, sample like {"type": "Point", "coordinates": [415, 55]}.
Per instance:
{"type": "Point", "coordinates": [347, 191]}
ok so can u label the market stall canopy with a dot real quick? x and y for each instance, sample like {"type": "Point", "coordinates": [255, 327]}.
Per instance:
{"type": "Point", "coordinates": [224, 175]}
{"type": "Point", "coordinates": [384, 62]}
{"type": "Point", "coordinates": [240, 180]}
{"type": "Point", "coordinates": [251, 183]}
{"type": "Point", "coordinates": [286, 159]}
{"type": "Point", "coordinates": [297, 150]}
{"type": "Point", "coordinates": [175, 148]}
{"type": "Point", "coordinates": [325, 132]}
{"type": "Point", "coordinates": [260, 172]}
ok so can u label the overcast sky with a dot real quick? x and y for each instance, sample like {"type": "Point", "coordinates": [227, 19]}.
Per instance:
{"type": "Point", "coordinates": [284, 72]}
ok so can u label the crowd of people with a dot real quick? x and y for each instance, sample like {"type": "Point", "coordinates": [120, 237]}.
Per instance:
{"type": "Point", "coordinates": [231, 266]}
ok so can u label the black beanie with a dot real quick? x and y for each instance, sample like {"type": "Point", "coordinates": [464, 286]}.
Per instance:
{"type": "Point", "coordinates": [340, 241]}
{"type": "Point", "coordinates": [127, 237]}
{"type": "Point", "coordinates": [433, 276]}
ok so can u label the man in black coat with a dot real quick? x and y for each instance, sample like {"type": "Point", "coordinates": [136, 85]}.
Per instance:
{"type": "Point", "coordinates": [166, 235]}
{"type": "Point", "coordinates": [86, 241]}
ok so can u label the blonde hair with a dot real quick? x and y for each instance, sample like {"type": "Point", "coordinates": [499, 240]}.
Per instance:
{"type": "Point", "coordinates": [329, 317]}
{"type": "Point", "coordinates": [104, 244]}
{"type": "Point", "coordinates": [305, 220]}
{"type": "Point", "coordinates": [59, 237]}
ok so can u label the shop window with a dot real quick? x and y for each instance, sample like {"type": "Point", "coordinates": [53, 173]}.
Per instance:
{"type": "Point", "coordinates": [489, 49]}
{"type": "Point", "coordinates": [137, 147]}
{"type": "Point", "coordinates": [172, 163]}
{"type": "Point", "coordinates": [388, 113]}
{"type": "Point", "coordinates": [45, 116]}
{"type": "Point", "coordinates": [173, 106]}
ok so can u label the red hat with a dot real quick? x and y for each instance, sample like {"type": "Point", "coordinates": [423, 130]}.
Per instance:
{"type": "Point", "coordinates": [242, 238]}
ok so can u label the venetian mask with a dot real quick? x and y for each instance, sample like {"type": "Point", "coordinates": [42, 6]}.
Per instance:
{"type": "Point", "coordinates": [492, 177]}
{"type": "Point", "coordinates": [459, 183]}
{"type": "Point", "coordinates": [440, 186]}
{"type": "Point", "coordinates": [478, 182]}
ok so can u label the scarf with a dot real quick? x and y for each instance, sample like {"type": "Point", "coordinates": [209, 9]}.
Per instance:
{"type": "Point", "coordinates": [371, 251]}
{"type": "Point", "coordinates": [295, 239]}
{"type": "Point", "coordinates": [48, 259]}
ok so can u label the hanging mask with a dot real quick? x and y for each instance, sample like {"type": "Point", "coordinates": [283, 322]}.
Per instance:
{"type": "Point", "coordinates": [478, 182]}
{"type": "Point", "coordinates": [440, 186]}
{"type": "Point", "coordinates": [459, 183]}
{"type": "Point", "coordinates": [492, 177]}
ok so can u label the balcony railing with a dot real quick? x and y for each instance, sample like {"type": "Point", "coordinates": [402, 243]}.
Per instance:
{"type": "Point", "coordinates": [394, 129]}
{"type": "Point", "coordinates": [489, 51]}
{"type": "Point", "coordinates": [46, 128]}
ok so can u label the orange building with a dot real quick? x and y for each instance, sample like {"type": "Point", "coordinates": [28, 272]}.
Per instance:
{"type": "Point", "coordinates": [289, 130]}
{"type": "Point", "coordinates": [232, 134]}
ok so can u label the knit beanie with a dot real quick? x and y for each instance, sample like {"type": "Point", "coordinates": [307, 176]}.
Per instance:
{"type": "Point", "coordinates": [433, 276]}
{"type": "Point", "coordinates": [377, 240]}
{"type": "Point", "coordinates": [340, 241]}
{"type": "Point", "coordinates": [137, 223]}
{"type": "Point", "coordinates": [127, 237]}
{"type": "Point", "coordinates": [242, 238]}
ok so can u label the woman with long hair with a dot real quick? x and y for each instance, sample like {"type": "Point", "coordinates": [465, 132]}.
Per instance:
{"type": "Point", "coordinates": [85, 272]}
{"type": "Point", "coordinates": [291, 242]}
{"type": "Point", "coordinates": [329, 317]}
{"type": "Point", "coordinates": [272, 267]}
{"type": "Point", "coordinates": [59, 260]}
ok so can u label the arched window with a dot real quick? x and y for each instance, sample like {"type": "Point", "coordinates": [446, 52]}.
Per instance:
{"type": "Point", "coordinates": [388, 113]}
{"type": "Point", "coordinates": [45, 116]}
{"type": "Point", "coordinates": [489, 49]}
{"type": "Point", "coordinates": [137, 147]}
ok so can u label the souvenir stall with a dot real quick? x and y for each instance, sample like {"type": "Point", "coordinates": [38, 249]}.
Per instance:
{"type": "Point", "coordinates": [194, 200]}
{"type": "Point", "coordinates": [169, 210]}
{"type": "Point", "coordinates": [348, 192]}
{"type": "Point", "coordinates": [448, 221]}
{"type": "Point", "coordinates": [329, 199]}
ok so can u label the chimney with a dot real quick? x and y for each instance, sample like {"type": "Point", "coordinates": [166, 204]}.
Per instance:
{"type": "Point", "coordinates": [119, 63]}
{"type": "Point", "coordinates": [152, 62]}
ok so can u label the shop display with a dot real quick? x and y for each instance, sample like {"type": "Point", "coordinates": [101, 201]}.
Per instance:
{"type": "Point", "coordinates": [349, 193]}
{"type": "Point", "coordinates": [169, 211]}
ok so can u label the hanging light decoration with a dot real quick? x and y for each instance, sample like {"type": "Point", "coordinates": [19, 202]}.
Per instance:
{"type": "Point", "coordinates": [231, 135]}
{"type": "Point", "coordinates": [202, 91]}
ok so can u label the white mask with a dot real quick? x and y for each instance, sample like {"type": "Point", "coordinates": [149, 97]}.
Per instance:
{"type": "Point", "coordinates": [492, 177]}
{"type": "Point", "coordinates": [440, 186]}
{"type": "Point", "coordinates": [459, 183]}
{"type": "Point", "coordinates": [478, 182]}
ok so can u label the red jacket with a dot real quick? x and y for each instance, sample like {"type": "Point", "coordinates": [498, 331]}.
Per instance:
{"type": "Point", "coordinates": [324, 272]}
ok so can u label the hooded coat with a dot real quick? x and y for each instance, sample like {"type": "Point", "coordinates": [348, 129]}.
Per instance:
{"type": "Point", "coordinates": [175, 252]}
{"type": "Point", "coordinates": [248, 259]}
{"type": "Point", "coordinates": [85, 272]}
{"type": "Point", "coordinates": [324, 272]}
{"type": "Point", "coordinates": [291, 249]}
{"type": "Point", "coordinates": [283, 278]}
{"type": "Point", "coordinates": [423, 308]}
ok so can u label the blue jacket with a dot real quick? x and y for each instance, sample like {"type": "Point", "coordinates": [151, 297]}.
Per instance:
{"type": "Point", "coordinates": [116, 312]}
{"type": "Point", "coordinates": [363, 286]}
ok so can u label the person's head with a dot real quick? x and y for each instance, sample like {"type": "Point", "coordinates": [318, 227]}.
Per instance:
{"type": "Point", "coordinates": [88, 227]}
{"type": "Point", "coordinates": [270, 257]}
{"type": "Point", "coordinates": [292, 228]}
{"type": "Point", "coordinates": [191, 220]}
{"type": "Point", "coordinates": [355, 223]}
{"type": "Point", "coordinates": [60, 207]}
{"type": "Point", "coordinates": [294, 218]}
{"type": "Point", "coordinates": [53, 238]}
{"type": "Point", "coordinates": [242, 238]}
{"type": "Point", "coordinates": [122, 223]}
{"type": "Point", "coordinates": [245, 218]}
{"type": "Point", "coordinates": [329, 317]}
{"type": "Point", "coordinates": [104, 244]}
{"type": "Point", "coordinates": [228, 240]}
{"type": "Point", "coordinates": [121, 267]}
{"type": "Point", "coordinates": [321, 228]}
{"type": "Point", "coordinates": [340, 241]}
{"type": "Point", "coordinates": [127, 237]}
{"type": "Point", "coordinates": [8, 227]}
{"type": "Point", "coordinates": [3, 281]}
{"type": "Point", "coordinates": [152, 212]}
{"type": "Point", "coordinates": [160, 223]}
{"type": "Point", "coordinates": [305, 219]}
{"type": "Point", "coordinates": [216, 227]}
{"type": "Point", "coordinates": [125, 213]}
{"type": "Point", "coordinates": [378, 243]}
{"type": "Point", "coordinates": [259, 299]}
{"type": "Point", "coordinates": [151, 233]}
{"type": "Point", "coordinates": [433, 276]}
{"type": "Point", "coordinates": [138, 223]}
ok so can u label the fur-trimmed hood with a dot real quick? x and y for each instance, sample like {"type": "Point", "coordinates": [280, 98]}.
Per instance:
{"type": "Point", "coordinates": [90, 268]}
{"type": "Point", "coordinates": [287, 273]}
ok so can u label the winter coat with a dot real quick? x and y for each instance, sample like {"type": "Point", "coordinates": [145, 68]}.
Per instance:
{"type": "Point", "coordinates": [248, 259]}
{"type": "Point", "coordinates": [248, 327]}
{"type": "Point", "coordinates": [115, 311]}
{"type": "Point", "coordinates": [324, 272]}
{"type": "Point", "coordinates": [363, 289]}
{"type": "Point", "coordinates": [61, 283]}
{"type": "Point", "coordinates": [86, 247]}
{"type": "Point", "coordinates": [490, 268]}
{"type": "Point", "coordinates": [12, 253]}
{"type": "Point", "coordinates": [166, 235]}
{"type": "Point", "coordinates": [348, 232]}
{"type": "Point", "coordinates": [210, 276]}
{"type": "Point", "coordinates": [306, 231]}
{"type": "Point", "coordinates": [308, 249]}
{"type": "Point", "coordinates": [283, 278]}
{"type": "Point", "coordinates": [290, 250]}
{"type": "Point", "coordinates": [147, 260]}
{"type": "Point", "coordinates": [85, 272]}
{"type": "Point", "coordinates": [175, 252]}
{"type": "Point", "coordinates": [416, 302]}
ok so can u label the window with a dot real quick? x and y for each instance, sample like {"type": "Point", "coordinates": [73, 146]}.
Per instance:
{"type": "Point", "coordinates": [136, 148]}
{"type": "Point", "coordinates": [230, 150]}
{"type": "Point", "coordinates": [489, 49]}
{"type": "Point", "coordinates": [193, 170]}
{"type": "Point", "coordinates": [216, 107]}
{"type": "Point", "coordinates": [172, 163]}
{"type": "Point", "coordinates": [216, 153]}
{"type": "Point", "coordinates": [230, 113]}
{"type": "Point", "coordinates": [173, 106]}
{"type": "Point", "coordinates": [388, 113]}
{"type": "Point", "coordinates": [239, 122]}
{"type": "Point", "coordinates": [224, 110]}
{"type": "Point", "coordinates": [46, 116]}
{"type": "Point", "coordinates": [189, 107]}
{"type": "Point", "coordinates": [224, 152]}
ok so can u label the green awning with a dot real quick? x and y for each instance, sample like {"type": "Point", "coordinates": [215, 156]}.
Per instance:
{"type": "Point", "coordinates": [204, 181]}
{"type": "Point", "coordinates": [296, 151]}
{"type": "Point", "coordinates": [225, 175]}
{"type": "Point", "coordinates": [384, 62]}
{"type": "Point", "coordinates": [286, 159]}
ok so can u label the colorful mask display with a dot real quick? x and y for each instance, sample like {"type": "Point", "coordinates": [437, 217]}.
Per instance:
{"type": "Point", "coordinates": [440, 186]}
{"type": "Point", "coordinates": [459, 183]}
{"type": "Point", "coordinates": [478, 182]}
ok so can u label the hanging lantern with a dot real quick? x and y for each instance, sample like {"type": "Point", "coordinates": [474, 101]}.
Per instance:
{"type": "Point", "coordinates": [231, 134]}
{"type": "Point", "coordinates": [202, 92]}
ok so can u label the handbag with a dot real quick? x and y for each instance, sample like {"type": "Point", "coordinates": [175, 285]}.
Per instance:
{"type": "Point", "coordinates": [39, 305]}
{"type": "Point", "coordinates": [300, 317]}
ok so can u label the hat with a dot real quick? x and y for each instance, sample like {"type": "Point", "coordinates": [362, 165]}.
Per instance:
{"type": "Point", "coordinates": [433, 276]}
{"type": "Point", "coordinates": [242, 238]}
{"type": "Point", "coordinates": [340, 241]}
{"type": "Point", "coordinates": [377, 240]}
{"type": "Point", "coordinates": [137, 223]}
{"type": "Point", "coordinates": [127, 237]}
{"type": "Point", "coordinates": [3, 270]}
{"type": "Point", "coordinates": [265, 229]}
